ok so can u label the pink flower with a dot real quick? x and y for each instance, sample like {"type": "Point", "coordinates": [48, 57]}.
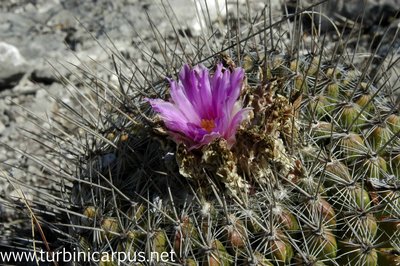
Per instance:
{"type": "Point", "coordinates": [203, 107]}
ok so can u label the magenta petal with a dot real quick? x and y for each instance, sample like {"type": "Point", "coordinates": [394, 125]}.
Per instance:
{"type": "Point", "coordinates": [219, 90]}
{"type": "Point", "coordinates": [222, 123]}
{"type": "Point", "coordinates": [195, 131]}
{"type": "Point", "coordinates": [185, 76]}
{"type": "Point", "coordinates": [203, 107]}
{"type": "Point", "coordinates": [207, 138]}
{"type": "Point", "coordinates": [172, 116]}
{"type": "Point", "coordinates": [189, 82]}
{"type": "Point", "coordinates": [182, 102]}
{"type": "Point", "coordinates": [236, 79]}
{"type": "Point", "coordinates": [206, 110]}
{"type": "Point", "coordinates": [235, 122]}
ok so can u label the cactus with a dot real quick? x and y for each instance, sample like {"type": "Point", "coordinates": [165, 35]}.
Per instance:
{"type": "Point", "coordinates": [311, 179]}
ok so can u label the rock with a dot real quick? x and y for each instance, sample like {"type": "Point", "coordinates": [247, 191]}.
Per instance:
{"type": "Point", "coordinates": [376, 12]}
{"type": "Point", "coordinates": [26, 87]}
{"type": "Point", "coordinates": [43, 75]}
{"type": "Point", "coordinates": [389, 73]}
{"type": "Point", "coordinates": [199, 15]}
{"type": "Point", "coordinates": [2, 214]}
{"type": "Point", "coordinates": [387, 39]}
{"type": "Point", "coordinates": [2, 127]}
{"type": "Point", "coordinates": [44, 6]}
{"type": "Point", "coordinates": [12, 66]}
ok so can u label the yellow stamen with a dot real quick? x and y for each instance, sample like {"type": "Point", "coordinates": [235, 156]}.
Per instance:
{"type": "Point", "coordinates": [208, 125]}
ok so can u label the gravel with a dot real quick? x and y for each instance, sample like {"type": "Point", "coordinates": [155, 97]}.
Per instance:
{"type": "Point", "coordinates": [12, 66]}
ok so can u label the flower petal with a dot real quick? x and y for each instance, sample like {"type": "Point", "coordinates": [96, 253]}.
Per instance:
{"type": "Point", "coordinates": [170, 114]}
{"type": "Point", "coordinates": [182, 102]}
{"type": "Point", "coordinates": [219, 85]}
{"type": "Point", "coordinates": [207, 138]}
{"type": "Point", "coordinates": [235, 85]}
{"type": "Point", "coordinates": [205, 95]}
{"type": "Point", "coordinates": [199, 97]}
{"type": "Point", "coordinates": [189, 82]}
{"type": "Point", "coordinates": [235, 122]}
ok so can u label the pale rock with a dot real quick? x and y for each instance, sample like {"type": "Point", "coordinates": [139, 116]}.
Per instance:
{"type": "Point", "coordinates": [2, 127]}
{"type": "Point", "coordinates": [12, 65]}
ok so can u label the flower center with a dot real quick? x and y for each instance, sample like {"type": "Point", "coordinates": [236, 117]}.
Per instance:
{"type": "Point", "coordinates": [208, 125]}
